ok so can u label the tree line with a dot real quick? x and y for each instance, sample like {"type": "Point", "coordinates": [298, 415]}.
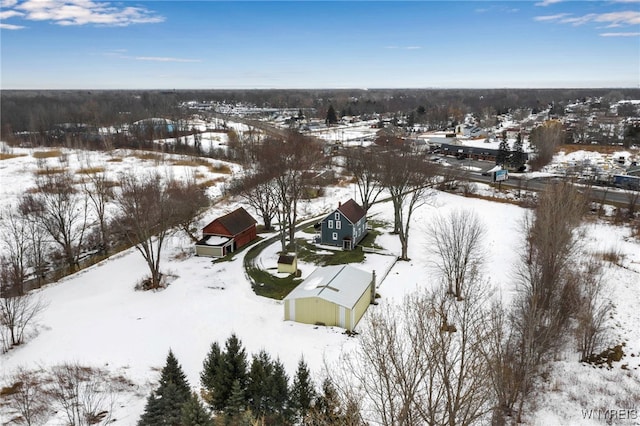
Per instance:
{"type": "Point", "coordinates": [238, 391]}
{"type": "Point", "coordinates": [61, 224]}
{"type": "Point", "coordinates": [39, 111]}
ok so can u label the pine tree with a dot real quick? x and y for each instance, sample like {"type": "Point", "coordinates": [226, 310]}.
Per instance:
{"type": "Point", "coordinates": [259, 390]}
{"type": "Point", "coordinates": [503, 151]}
{"type": "Point", "coordinates": [236, 403]}
{"type": "Point", "coordinates": [327, 409]}
{"type": "Point", "coordinates": [164, 405]}
{"type": "Point", "coordinates": [332, 118]}
{"type": "Point", "coordinates": [221, 369]}
{"type": "Point", "coordinates": [517, 158]}
{"type": "Point", "coordinates": [302, 392]}
{"type": "Point", "coordinates": [210, 375]}
{"type": "Point", "coordinates": [279, 384]}
{"type": "Point", "coordinates": [234, 365]}
{"type": "Point", "coordinates": [194, 413]}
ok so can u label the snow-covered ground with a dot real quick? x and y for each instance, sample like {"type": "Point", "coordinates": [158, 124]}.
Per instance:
{"type": "Point", "coordinates": [96, 317]}
{"type": "Point", "coordinates": [351, 133]}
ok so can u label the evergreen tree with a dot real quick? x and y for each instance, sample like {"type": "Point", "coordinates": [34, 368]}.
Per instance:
{"type": "Point", "coordinates": [411, 120]}
{"type": "Point", "coordinates": [236, 404]}
{"type": "Point", "coordinates": [268, 390]}
{"type": "Point", "coordinates": [210, 376]}
{"type": "Point", "coordinates": [221, 369]}
{"type": "Point", "coordinates": [332, 118]}
{"type": "Point", "coordinates": [194, 413]}
{"type": "Point", "coordinates": [259, 389]}
{"type": "Point", "coordinates": [517, 157]}
{"type": "Point", "coordinates": [164, 405]}
{"type": "Point", "coordinates": [503, 150]}
{"type": "Point", "coordinates": [327, 409]}
{"type": "Point", "coordinates": [302, 391]}
{"type": "Point", "coordinates": [279, 384]}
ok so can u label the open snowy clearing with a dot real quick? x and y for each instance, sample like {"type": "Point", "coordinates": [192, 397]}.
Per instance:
{"type": "Point", "coordinates": [96, 317]}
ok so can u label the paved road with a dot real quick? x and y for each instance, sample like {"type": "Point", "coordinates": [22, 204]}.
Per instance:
{"type": "Point", "coordinates": [610, 195]}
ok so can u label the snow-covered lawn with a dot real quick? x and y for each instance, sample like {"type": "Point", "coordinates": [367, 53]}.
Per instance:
{"type": "Point", "coordinates": [97, 318]}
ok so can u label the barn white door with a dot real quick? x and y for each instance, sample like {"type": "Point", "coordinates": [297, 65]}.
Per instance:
{"type": "Point", "coordinates": [342, 322]}
{"type": "Point", "coordinates": [292, 309]}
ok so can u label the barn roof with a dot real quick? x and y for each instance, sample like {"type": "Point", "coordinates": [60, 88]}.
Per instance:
{"type": "Point", "coordinates": [352, 211]}
{"type": "Point", "coordinates": [236, 221]}
{"type": "Point", "coordinates": [340, 284]}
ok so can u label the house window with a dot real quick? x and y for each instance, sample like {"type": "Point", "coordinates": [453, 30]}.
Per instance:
{"type": "Point", "coordinates": [330, 224]}
{"type": "Point", "coordinates": [335, 236]}
{"type": "Point", "coordinates": [337, 216]}
{"type": "Point", "coordinates": [338, 224]}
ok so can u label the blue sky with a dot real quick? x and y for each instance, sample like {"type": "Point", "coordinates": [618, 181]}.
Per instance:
{"type": "Point", "coordinates": [87, 44]}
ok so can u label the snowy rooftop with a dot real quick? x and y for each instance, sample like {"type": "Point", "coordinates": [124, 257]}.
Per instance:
{"type": "Point", "coordinates": [214, 240]}
{"type": "Point", "coordinates": [340, 284]}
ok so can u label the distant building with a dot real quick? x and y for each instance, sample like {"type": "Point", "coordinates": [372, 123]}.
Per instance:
{"type": "Point", "coordinates": [332, 296]}
{"type": "Point", "coordinates": [345, 227]}
{"type": "Point", "coordinates": [227, 234]}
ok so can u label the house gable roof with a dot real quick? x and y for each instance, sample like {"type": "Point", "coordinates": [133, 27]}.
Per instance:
{"type": "Point", "coordinates": [352, 211]}
{"type": "Point", "coordinates": [236, 221]}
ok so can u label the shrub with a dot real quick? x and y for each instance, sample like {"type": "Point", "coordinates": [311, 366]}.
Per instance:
{"type": "Point", "coordinates": [47, 154]}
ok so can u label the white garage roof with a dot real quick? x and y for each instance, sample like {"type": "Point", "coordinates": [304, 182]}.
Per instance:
{"type": "Point", "coordinates": [340, 284]}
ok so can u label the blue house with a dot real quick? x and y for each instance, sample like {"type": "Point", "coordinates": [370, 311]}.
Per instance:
{"type": "Point", "coordinates": [345, 227]}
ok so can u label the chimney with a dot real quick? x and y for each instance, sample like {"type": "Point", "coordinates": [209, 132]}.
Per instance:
{"type": "Point", "coordinates": [339, 204]}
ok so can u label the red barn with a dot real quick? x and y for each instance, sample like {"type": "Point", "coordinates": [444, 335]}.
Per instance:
{"type": "Point", "coordinates": [226, 234]}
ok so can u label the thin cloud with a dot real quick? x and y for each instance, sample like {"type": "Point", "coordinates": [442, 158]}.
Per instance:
{"type": "Point", "coordinates": [550, 17]}
{"type": "Point", "coordinates": [620, 35]}
{"type": "Point", "coordinates": [613, 19]}
{"type": "Point", "coordinates": [11, 27]}
{"type": "Point", "coordinates": [545, 3]}
{"type": "Point", "coordinates": [82, 12]}
{"type": "Point", "coordinates": [164, 59]}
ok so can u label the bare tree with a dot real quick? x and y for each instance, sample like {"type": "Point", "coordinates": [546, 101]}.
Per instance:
{"type": "Point", "coordinates": [593, 310]}
{"type": "Point", "coordinates": [189, 200]}
{"type": "Point", "coordinates": [146, 216]}
{"type": "Point", "coordinates": [456, 240]}
{"type": "Point", "coordinates": [288, 162]}
{"type": "Point", "coordinates": [544, 140]}
{"type": "Point", "coordinates": [99, 191]}
{"type": "Point", "coordinates": [632, 202]}
{"type": "Point", "coordinates": [62, 213]}
{"type": "Point", "coordinates": [30, 212]}
{"type": "Point", "coordinates": [18, 310]}
{"type": "Point", "coordinates": [510, 372]}
{"type": "Point", "coordinates": [260, 192]}
{"type": "Point", "coordinates": [84, 394]}
{"type": "Point", "coordinates": [423, 362]}
{"type": "Point", "coordinates": [549, 295]}
{"type": "Point", "coordinates": [16, 244]}
{"type": "Point", "coordinates": [408, 179]}
{"type": "Point", "coordinates": [363, 164]}
{"type": "Point", "coordinates": [27, 397]}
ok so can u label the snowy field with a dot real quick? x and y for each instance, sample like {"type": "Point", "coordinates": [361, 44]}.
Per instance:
{"type": "Point", "coordinates": [96, 317]}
